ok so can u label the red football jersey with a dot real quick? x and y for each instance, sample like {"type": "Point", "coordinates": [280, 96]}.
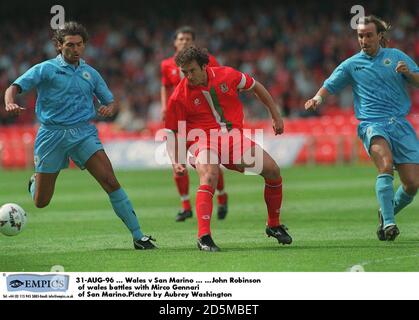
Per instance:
{"type": "Point", "coordinates": [171, 74]}
{"type": "Point", "coordinates": [215, 106]}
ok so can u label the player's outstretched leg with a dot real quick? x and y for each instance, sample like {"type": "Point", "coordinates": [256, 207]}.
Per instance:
{"type": "Point", "coordinates": [124, 210]}
{"type": "Point", "coordinates": [208, 177]}
{"type": "Point", "coordinates": [273, 200]}
{"type": "Point", "coordinates": [101, 169]}
{"type": "Point", "coordinates": [182, 185]}
{"type": "Point", "coordinates": [222, 197]}
{"type": "Point", "coordinates": [41, 187]}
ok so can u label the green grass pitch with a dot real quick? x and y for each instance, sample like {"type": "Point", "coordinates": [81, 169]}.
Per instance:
{"type": "Point", "coordinates": [331, 213]}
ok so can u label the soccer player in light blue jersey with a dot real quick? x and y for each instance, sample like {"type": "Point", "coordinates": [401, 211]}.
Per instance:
{"type": "Point", "coordinates": [379, 76]}
{"type": "Point", "coordinates": [66, 88]}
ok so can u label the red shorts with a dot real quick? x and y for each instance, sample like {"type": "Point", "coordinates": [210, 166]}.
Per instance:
{"type": "Point", "coordinates": [229, 148]}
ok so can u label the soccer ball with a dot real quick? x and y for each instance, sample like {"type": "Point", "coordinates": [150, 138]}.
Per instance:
{"type": "Point", "coordinates": [12, 219]}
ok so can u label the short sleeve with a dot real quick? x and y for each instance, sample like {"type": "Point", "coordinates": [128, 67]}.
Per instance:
{"type": "Point", "coordinates": [31, 78]}
{"type": "Point", "coordinates": [243, 81]}
{"type": "Point", "coordinates": [338, 80]}
{"type": "Point", "coordinates": [413, 67]}
{"type": "Point", "coordinates": [102, 91]}
{"type": "Point", "coordinates": [175, 113]}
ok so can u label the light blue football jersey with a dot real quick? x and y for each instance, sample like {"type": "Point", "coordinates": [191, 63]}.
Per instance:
{"type": "Point", "coordinates": [65, 92]}
{"type": "Point", "coordinates": [379, 91]}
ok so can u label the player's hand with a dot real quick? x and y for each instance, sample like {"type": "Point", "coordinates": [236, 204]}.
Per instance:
{"type": "Point", "coordinates": [106, 111]}
{"type": "Point", "coordinates": [278, 126]}
{"type": "Point", "coordinates": [312, 104]}
{"type": "Point", "coordinates": [179, 169]}
{"type": "Point", "coordinates": [14, 108]}
{"type": "Point", "coordinates": [402, 68]}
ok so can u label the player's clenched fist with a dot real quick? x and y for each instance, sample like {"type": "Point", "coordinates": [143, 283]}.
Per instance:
{"type": "Point", "coordinates": [278, 126]}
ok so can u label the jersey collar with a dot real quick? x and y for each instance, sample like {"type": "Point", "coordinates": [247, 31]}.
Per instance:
{"type": "Point", "coordinates": [63, 63]}
{"type": "Point", "coordinates": [379, 53]}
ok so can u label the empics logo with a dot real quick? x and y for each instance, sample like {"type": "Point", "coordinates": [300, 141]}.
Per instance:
{"type": "Point", "coordinates": [37, 283]}
{"type": "Point", "coordinates": [16, 283]}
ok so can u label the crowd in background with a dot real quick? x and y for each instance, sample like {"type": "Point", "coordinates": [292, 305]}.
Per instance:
{"type": "Point", "coordinates": [290, 48]}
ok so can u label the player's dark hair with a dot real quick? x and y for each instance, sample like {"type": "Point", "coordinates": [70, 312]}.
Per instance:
{"type": "Point", "coordinates": [70, 28]}
{"type": "Point", "coordinates": [382, 27]}
{"type": "Point", "coordinates": [184, 29]}
{"type": "Point", "coordinates": [187, 55]}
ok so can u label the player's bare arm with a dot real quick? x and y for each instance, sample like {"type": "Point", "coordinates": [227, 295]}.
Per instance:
{"type": "Point", "coordinates": [412, 77]}
{"type": "Point", "coordinates": [163, 98]}
{"type": "Point", "coordinates": [9, 100]}
{"type": "Point", "coordinates": [173, 151]}
{"type": "Point", "coordinates": [108, 110]}
{"type": "Point", "coordinates": [265, 97]}
{"type": "Point", "coordinates": [317, 100]}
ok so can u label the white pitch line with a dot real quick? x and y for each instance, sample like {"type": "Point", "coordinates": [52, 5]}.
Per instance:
{"type": "Point", "coordinates": [365, 263]}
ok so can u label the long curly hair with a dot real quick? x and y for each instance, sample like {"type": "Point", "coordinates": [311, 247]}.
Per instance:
{"type": "Point", "coordinates": [70, 28]}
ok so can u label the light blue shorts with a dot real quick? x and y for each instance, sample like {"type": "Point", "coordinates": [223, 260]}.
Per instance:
{"type": "Point", "coordinates": [55, 145]}
{"type": "Point", "coordinates": [398, 133]}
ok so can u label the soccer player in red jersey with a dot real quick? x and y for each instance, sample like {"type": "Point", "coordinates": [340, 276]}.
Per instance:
{"type": "Point", "coordinates": [171, 75]}
{"type": "Point", "coordinates": [205, 105]}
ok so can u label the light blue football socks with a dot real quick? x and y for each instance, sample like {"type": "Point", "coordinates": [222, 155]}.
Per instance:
{"type": "Point", "coordinates": [401, 199]}
{"type": "Point", "coordinates": [124, 210]}
{"type": "Point", "coordinates": [385, 196]}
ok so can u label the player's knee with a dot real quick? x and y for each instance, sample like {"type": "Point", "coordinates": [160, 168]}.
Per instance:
{"type": "Point", "coordinates": [178, 174]}
{"type": "Point", "coordinates": [272, 172]}
{"type": "Point", "coordinates": [384, 163]}
{"type": "Point", "coordinates": [386, 167]}
{"type": "Point", "coordinates": [209, 178]}
{"type": "Point", "coordinates": [111, 183]}
{"type": "Point", "coordinates": [274, 175]}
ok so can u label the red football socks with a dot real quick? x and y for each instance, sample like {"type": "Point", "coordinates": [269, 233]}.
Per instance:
{"type": "Point", "coordinates": [182, 184]}
{"type": "Point", "coordinates": [273, 199]}
{"type": "Point", "coordinates": [222, 196]}
{"type": "Point", "coordinates": [204, 209]}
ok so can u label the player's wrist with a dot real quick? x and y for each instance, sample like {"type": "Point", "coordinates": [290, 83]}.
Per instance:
{"type": "Point", "coordinates": [318, 99]}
